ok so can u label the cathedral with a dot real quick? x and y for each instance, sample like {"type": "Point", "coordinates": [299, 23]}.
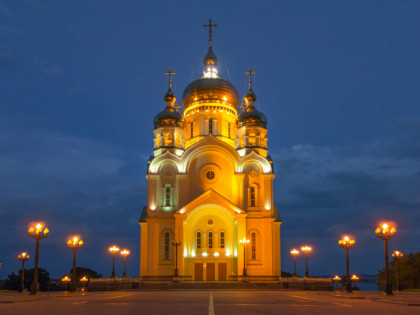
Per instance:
{"type": "Point", "coordinates": [210, 214]}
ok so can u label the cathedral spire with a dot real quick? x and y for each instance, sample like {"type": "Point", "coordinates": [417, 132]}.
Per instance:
{"type": "Point", "coordinates": [250, 97]}
{"type": "Point", "coordinates": [170, 96]}
{"type": "Point", "coordinates": [210, 60]}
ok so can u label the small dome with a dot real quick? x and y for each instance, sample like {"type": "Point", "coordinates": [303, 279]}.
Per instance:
{"type": "Point", "coordinates": [210, 90]}
{"type": "Point", "coordinates": [168, 117]}
{"type": "Point", "coordinates": [252, 117]}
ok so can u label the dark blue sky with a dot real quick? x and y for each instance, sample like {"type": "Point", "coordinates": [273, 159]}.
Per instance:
{"type": "Point", "coordinates": [80, 82]}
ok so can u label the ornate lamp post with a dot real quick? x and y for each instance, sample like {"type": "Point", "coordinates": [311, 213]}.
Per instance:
{"type": "Point", "coordinates": [354, 278]}
{"type": "Point", "coordinates": [385, 232]}
{"type": "Point", "coordinates": [23, 257]}
{"type": "Point", "coordinates": [244, 242]}
{"type": "Point", "coordinates": [66, 280]}
{"type": "Point", "coordinates": [74, 243]}
{"type": "Point", "coordinates": [337, 279]}
{"type": "Point", "coordinates": [37, 232]}
{"type": "Point", "coordinates": [113, 249]}
{"type": "Point", "coordinates": [397, 254]}
{"type": "Point", "coordinates": [124, 253]}
{"type": "Point", "coordinates": [176, 244]}
{"type": "Point", "coordinates": [306, 249]}
{"type": "Point", "coordinates": [347, 243]}
{"type": "Point", "coordinates": [294, 253]}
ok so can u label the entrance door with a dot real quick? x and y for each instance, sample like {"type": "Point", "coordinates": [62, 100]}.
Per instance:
{"type": "Point", "coordinates": [210, 272]}
{"type": "Point", "coordinates": [222, 271]}
{"type": "Point", "coordinates": [198, 272]}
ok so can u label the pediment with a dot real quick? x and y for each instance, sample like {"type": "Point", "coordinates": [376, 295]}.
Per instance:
{"type": "Point", "coordinates": [210, 197]}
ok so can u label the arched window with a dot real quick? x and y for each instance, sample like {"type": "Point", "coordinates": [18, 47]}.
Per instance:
{"type": "Point", "coordinates": [167, 196]}
{"type": "Point", "coordinates": [168, 139]}
{"type": "Point", "coordinates": [222, 239]}
{"type": "Point", "coordinates": [210, 239]}
{"type": "Point", "coordinates": [253, 246]}
{"type": "Point", "coordinates": [211, 125]}
{"type": "Point", "coordinates": [252, 196]}
{"type": "Point", "coordinates": [192, 129]}
{"type": "Point", "coordinates": [198, 240]}
{"type": "Point", "coordinates": [252, 139]}
{"type": "Point", "coordinates": [228, 129]}
{"type": "Point", "coordinates": [167, 246]}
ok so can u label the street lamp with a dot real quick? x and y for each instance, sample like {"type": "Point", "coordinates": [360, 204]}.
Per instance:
{"type": "Point", "coordinates": [294, 253]}
{"type": "Point", "coordinates": [113, 249]}
{"type": "Point", "coordinates": [244, 242]}
{"type": "Point", "coordinates": [23, 257]}
{"type": "Point", "coordinates": [37, 232]}
{"type": "Point", "coordinates": [125, 253]}
{"type": "Point", "coordinates": [397, 254]}
{"type": "Point", "coordinates": [354, 278]}
{"type": "Point", "coordinates": [385, 232]}
{"type": "Point", "coordinates": [306, 249]}
{"type": "Point", "coordinates": [66, 280]}
{"type": "Point", "coordinates": [337, 279]}
{"type": "Point", "coordinates": [176, 244]}
{"type": "Point", "coordinates": [347, 243]}
{"type": "Point", "coordinates": [84, 280]}
{"type": "Point", "coordinates": [74, 243]}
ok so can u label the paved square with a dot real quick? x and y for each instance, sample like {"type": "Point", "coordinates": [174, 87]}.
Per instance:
{"type": "Point", "coordinates": [210, 302]}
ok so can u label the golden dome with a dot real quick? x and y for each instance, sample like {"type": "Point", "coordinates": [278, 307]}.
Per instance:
{"type": "Point", "coordinates": [210, 90]}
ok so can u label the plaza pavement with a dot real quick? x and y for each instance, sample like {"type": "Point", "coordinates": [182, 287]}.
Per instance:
{"type": "Point", "coordinates": [218, 302]}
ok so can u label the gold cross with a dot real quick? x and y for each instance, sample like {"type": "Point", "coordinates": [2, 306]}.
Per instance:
{"type": "Point", "coordinates": [210, 26]}
{"type": "Point", "coordinates": [170, 75]}
{"type": "Point", "coordinates": [250, 73]}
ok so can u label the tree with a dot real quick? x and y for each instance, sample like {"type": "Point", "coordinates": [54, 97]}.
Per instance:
{"type": "Point", "coordinates": [89, 273]}
{"type": "Point", "coordinates": [13, 280]}
{"type": "Point", "coordinates": [409, 269]}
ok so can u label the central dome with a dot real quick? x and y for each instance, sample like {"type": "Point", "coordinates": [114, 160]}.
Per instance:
{"type": "Point", "coordinates": [210, 90]}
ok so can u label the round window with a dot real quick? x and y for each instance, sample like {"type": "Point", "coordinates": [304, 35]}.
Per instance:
{"type": "Point", "coordinates": [210, 175]}
{"type": "Point", "coordinates": [210, 222]}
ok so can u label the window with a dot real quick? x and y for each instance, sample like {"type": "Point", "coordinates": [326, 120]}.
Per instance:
{"type": "Point", "coordinates": [167, 196]}
{"type": "Point", "coordinates": [252, 196]}
{"type": "Point", "coordinates": [211, 125]}
{"type": "Point", "coordinates": [254, 245]}
{"type": "Point", "coordinates": [168, 139]}
{"type": "Point", "coordinates": [167, 246]}
{"type": "Point", "coordinates": [252, 139]}
{"type": "Point", "coordinates": [192, 129]}
{"type": "Point", "coordinates": [228, 129]}
{"type": "Point", "coordinates": [210, 239]}
{"type": "Point", "coordinates": [210, 175]}
{"type": "Point", "coordinates": [198, 241]}
{"type": "Point", "coordinates": [222, 239]}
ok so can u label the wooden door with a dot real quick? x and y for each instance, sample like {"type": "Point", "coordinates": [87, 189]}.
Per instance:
{"type": "Point", "coordinates": [222, 270]}
{"type": "Point", "coordinates": [198, 272]}
{"type": "Point", "coordinates": [210, 272]}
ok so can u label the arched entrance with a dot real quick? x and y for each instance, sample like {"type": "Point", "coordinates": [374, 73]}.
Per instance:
{"type": "Point", "coordinates": [210, 246]}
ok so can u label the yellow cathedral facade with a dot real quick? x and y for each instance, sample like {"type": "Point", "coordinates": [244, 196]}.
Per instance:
{"type": "Point", "coordinates": [210, 214]}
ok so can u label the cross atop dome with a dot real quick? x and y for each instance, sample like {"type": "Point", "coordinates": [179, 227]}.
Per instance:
{"type": "Point", "coordinates": [170, 74]}
{"type": "Point", "coordinates": [250, 73]}
{"type": "Point", "coordinates": [210, 26]}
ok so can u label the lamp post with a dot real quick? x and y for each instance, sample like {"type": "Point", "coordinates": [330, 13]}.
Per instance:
{"type": "Point", "coordinates": [336, 279]}
{"type": "Point", "coordinates": [385, 232]}
{"type": "Point", "coordinates": [124, 253]}
{"type": "Point", "coordinates": [113, 249]}
{"type": "Point", "coordinates": [23, 257]}
{"type": "Point", "coordinates": [66, 280]}
{"type": "Point", "coordinates": [84, 280]}
{"type": "Point", "coordinates": [347, 243]}
{"type": "Point", "coordinates": [244, 242]}
{"type": "Point", "coordinates": [306, 249]}
{"type": "Point", "coordinates": [354, 278]}
{"type": "Point", "coordinates": [176, 244]}
{"type": "Point", "coordinates": [294, 253]}
{"type": "Point", "coordinates": [74, 243]}
{"type": "Point", "coordinates": [37, 232]}
{"type": "Point", "coordinates": [397, 254]}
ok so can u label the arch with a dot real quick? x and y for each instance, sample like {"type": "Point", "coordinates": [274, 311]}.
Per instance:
{"type": "Point", "coordinates": [165, 249]}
